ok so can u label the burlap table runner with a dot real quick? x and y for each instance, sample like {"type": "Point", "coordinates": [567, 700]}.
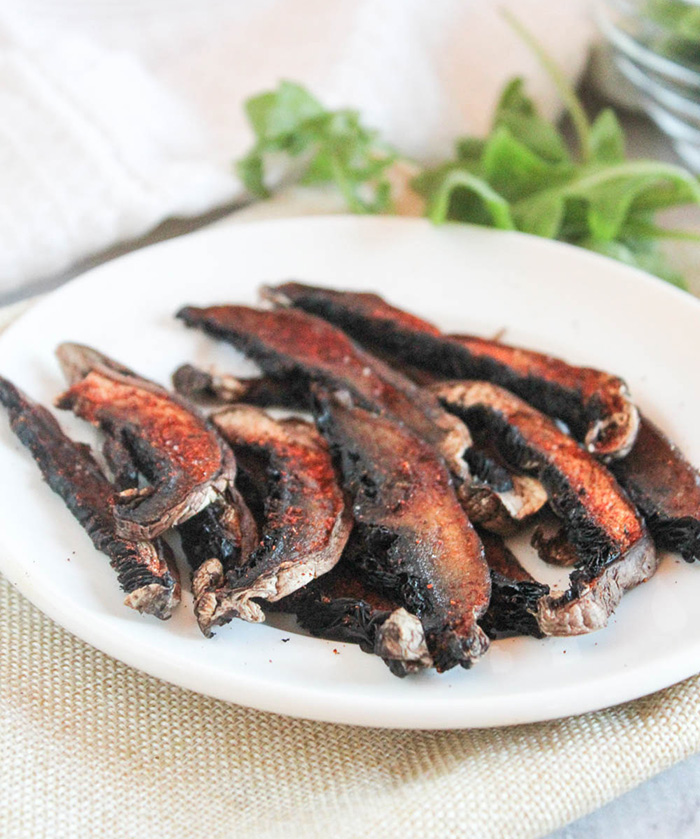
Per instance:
{"type": "Point", "coordinates": [92, 748]}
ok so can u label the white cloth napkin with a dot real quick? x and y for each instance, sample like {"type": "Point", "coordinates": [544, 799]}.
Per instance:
{"type": "Point", "coordinates": [117, 115]}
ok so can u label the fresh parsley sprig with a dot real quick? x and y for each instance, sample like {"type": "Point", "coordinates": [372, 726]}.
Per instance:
{"type": "Point", "coordinates": [522, 176]}
{"type": "Point", "coordinates": [332, 146]}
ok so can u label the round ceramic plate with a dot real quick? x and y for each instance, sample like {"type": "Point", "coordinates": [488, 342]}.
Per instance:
{"type": "Point", "coordinates": [548, 296]}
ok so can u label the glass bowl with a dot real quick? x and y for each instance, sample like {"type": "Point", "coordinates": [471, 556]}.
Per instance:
{"type": "Point", "coordinates": [655, 45]}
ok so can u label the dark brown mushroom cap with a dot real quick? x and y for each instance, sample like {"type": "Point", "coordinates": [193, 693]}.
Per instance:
{"type": "Point", "coordinates": [411, 535]}
{"type": "Point", "coordinates": [178, 451]}
{"type": "Point", "coordinates": [146, 570]}
{"type": "Point", "coordinates": [292, 343]}
{"type": "Point", "coordinates": [596, 405]}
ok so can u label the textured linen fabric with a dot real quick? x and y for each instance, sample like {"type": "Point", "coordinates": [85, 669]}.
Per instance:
{"type": "Point", "coordinates": [117, 115]}
{"type": "Point", "coordinates": [90, 748]}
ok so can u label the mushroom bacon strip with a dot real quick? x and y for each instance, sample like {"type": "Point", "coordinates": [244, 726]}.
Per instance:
{"type": "Point", "coordinates": [217, 542]}
{"type": "Point", "coordinates": [515, 594]}
{"type": "Point", "coordinates": [595, 405]}
{"type": "Point", "coordinates": [411, 537]}
{"type": "Point", "coordinates": [616, 552]}
{"type": "Point", "coordinates": [217, 389]}
{"type": "Point", "coordinates": [293, 345]}
{"type": "Point", "coordinates": [224, 532]}
{"type": "Point", "coordinates": [341, 607]}
{"type": "Point", "coordinates": [495, 497]}
{"type": "Point", "coordinates": [178, 451]}
{"type": "Point", "coordinates": [492, 496]}
{"type": "Point", "coordinates": [305, 527]}
{"type": "Point", "coordinates": [146, 570]}
{"type": "Point", "coordinates": [666, 488]}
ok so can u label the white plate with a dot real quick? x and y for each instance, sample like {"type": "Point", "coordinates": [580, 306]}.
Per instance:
{"type": "Point", "coordinates": [548, 296]}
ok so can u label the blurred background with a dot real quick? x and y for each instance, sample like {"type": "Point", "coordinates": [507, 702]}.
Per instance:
{"type": "Point", "coordinates": [124, 118]}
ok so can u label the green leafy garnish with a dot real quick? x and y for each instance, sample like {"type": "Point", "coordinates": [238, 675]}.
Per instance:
{"type": "Point", "coordinates": [333, 146]}
{"type": "Point", "coordinates": [604, 203]}
{"type": "Point", "coordinates": [522, 176]}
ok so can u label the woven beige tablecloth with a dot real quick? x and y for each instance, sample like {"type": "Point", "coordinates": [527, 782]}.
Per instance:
{"type": "Point", "coordinates": [91, 748]}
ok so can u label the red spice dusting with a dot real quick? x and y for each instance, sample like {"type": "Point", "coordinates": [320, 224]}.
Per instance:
{"type": "Point", "coordinates": [169, 425]}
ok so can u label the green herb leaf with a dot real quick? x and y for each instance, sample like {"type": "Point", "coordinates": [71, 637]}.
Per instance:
{"type": "Point", "coordinates": [463, 196]}
{"type": "Point", "coordinates": [610, 193]}
{"type": "Point", "coordinates": [469, 149]}
{"type": "Point", "coordinates": [637, 185]}
{"type": "Point", "coordinates": [568, 95]}
{"type": "Point", "coordinates": [514, 170]}
{"type": "Point", "coordinates": [522, 176]}
{"type": "Point", "coordinates": [250, 171]}
{"type": "Point", "coordinates": [517, 112]}
{"type": "Point", "coordinates": [541, 215]}
{"type": "Point", "coordinates": [607, 138]}
{"type": "Point", "coordinates": [333, 147]}
{"type": "Point", "coordinates": [280, 113]}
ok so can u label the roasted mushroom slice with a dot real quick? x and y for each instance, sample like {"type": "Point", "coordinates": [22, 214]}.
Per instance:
{"type": "Point", "coordinates": [594, 592]}
{"type": "Point", "coordinates": [178, 451]}
{"type": "Point", "coordinates": [217, 542]}
{"type": "Point", "coordinates": [339, 606]}
{"type": "Point", "coordinates": [666, 488]}
{"type": "Point", "coordinates": [121, 463]}
{"type": "Point", "coordinates": [306, 523]}
{"type": "Point", "coordinates": [615, 550]}
{"type": "Point", "coordinates": [491, 494]}
{"type": "Point", "coordinates": [290, 344]}
{"type": "Point", "coordinates": [225, 530]}
{"type": "Point", "coordinates": [554, 547]}
{"type": "Point", "coordinates": [515, 594]}
{"type": "Point", "coordinates": [595, 405]}
{"type": "Point", "coordinates": [146, 570]}
{"type": "Point", "coordinates": [411, 538]}
{"type": "Point", "coordinates": [495, 497]}
{"type": "Point", "coordinates": [216, 388]}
